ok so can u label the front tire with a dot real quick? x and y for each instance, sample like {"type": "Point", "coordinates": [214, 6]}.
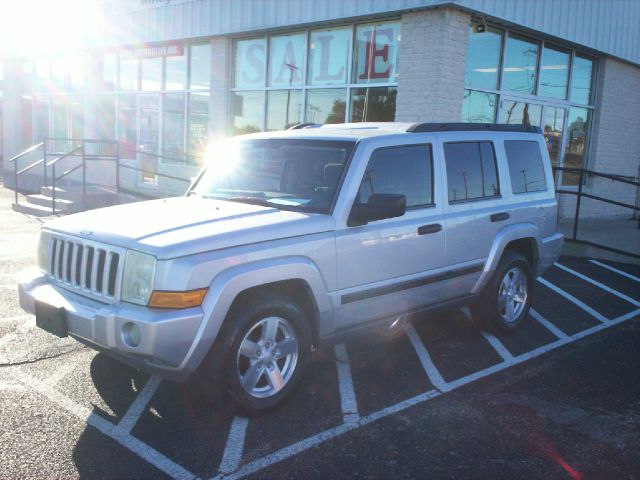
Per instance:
{"type": "Point", "coordinates": [506, 299]}
{"type": "Point", "coordinates": [269, 343]}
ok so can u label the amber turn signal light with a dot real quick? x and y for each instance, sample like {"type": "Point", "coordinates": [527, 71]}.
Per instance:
{"type": "Point", "coordinates": [192, 298]}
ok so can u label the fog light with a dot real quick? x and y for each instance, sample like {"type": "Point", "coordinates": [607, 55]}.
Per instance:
{"type": "Point", "coordinates": [131, 334]}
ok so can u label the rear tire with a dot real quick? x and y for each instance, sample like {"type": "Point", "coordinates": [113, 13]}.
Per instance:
{"type": "Point", "coordinates": [506, 299]}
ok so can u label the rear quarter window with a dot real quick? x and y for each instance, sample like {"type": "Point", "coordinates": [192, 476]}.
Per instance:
{"type": "Point", "coordinates": [525, 166]}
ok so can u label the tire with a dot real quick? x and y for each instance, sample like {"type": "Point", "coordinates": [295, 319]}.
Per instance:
{"type": "Point", "coordinates": [506, 299]}
{"type": "Point", "coordinates": [267, 348]}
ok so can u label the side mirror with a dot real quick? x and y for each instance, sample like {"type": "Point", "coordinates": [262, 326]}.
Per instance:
{"type": "Point", "coordinates": [378, 207]}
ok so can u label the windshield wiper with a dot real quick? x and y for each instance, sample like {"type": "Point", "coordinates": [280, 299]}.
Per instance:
{"type": "Point", "coordinates": [251, 201]}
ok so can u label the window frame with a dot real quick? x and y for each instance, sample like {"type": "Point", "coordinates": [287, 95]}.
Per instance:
{"type": "Point", "coordinates": [495, 162]}
{"type": "Point", "coordinates": [429, 146]}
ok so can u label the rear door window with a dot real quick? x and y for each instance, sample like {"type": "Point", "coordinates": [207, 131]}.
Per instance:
{"type": "Point", "coordinates": [525, 166]}
{"type": "Point", "coordinates": [471, 171]}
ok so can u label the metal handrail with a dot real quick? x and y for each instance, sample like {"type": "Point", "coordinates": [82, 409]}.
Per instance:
{"type": "Point", "coordinates": [66, 155]}
{"type": "Point", "coordinates": [28, 150]}
{"type": "Point", "coordinates": [164, 157]}
{"type": "Point", "coordinates": [164, 175]}
{"type": "Point", "coordinates": [34, 164]}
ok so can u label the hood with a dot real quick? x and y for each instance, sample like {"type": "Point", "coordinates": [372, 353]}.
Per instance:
{"type": "Point", "coordinates": [180, 226]}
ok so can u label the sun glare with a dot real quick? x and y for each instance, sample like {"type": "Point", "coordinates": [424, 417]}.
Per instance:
{"type": "Point", "coordinates": [45, 27]}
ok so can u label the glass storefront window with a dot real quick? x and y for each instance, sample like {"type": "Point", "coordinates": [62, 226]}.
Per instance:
{"type": "Point", "coordinates": [76, 73]}
{"type": "Point", "coordinates": [483, 57]}
{"type": "Point", "coordinates": [129, 74]}
{"type": "Point", "coordinates": [76, 112]}
{"type": "Point", "coordinates": [581, 74]}
{"type": "Point", "coordinates": [554, 73]}
{"type": "Point", "coordinates": [520, 113]}
{"type": "Point", "coordinates": [329, 56]}
{"type": "Point", "coordinates": [59, 69]}
{"type": "Point", "coordinates": [26, 77]}
{"type": "Point", "coordinates": [106, 116]}
{"type": "Point", "coordinates": [41, 119]}
{"type": "Point", "coordinates": [284, 109]}
{"type": "Point", "coordinates": [286, 59]}
{"type": "Point", "coordinates": [553, 127]}
{"type": "Point", "coordinates": [127, 125]}
{"type": "Point", "coordinates": [151, 74]}
{"type": "Point", "coordinates": [376, 53]}
{"type": "Point", "coordinates": [26, 121]}
{"type": "Point", "coordinates": [577, 136]}
{"type": "Point", "coordinates": [479, 107]}
{"type": "Point", "coordinates": [109, 72]}
{"type": "Point", "coordinates": [326, 105]}
{"type": "Point", "coordinates": [377, 104]}
{"type": "Point", "coordinates": [198, 124]}
{"type": "Point", "coordinates": [173, 126]}
{"type": "Point", "coordinates": [200, 67]}
{"type": "Point", "coordinates": [175, 73]}
{"type": "Point", "coordinates": [60, 126]}
{"type": "Point", "coordinates": [520, 65]}
{"type": "Point", "coordinates": [250, 63]}
{"type": "Point", "coordinates": [247, 112]}
{"type": "Point", "coordinates": [43, 76]}
{"type": "Point", "coordinates": [149, 139]}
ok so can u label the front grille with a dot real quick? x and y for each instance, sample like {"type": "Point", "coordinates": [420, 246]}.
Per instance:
{"type": "Point", "coordinates": [89, 268]}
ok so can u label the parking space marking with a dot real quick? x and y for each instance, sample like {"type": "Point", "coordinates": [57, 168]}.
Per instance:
{"type": "Point", "coordinates": [53, 379]}
{"type": "Point", "coordinates": [489, 337]}
{"type": "Point", "coordinates": [598, 284]}
{"type": "Point", "coordinates": [120, 436]}
{"type": "Point", "coordinates": [425, 359]}
{"type": "Point", "coordinates": [348, 400]}
{"type": "Point", "coordinates": [136, 409]}
{"type": "Point", "coordinates": [615, 270]}
{"type": "Point", "coordinates": [574, 300]}
{"type": "Point", "coordinates": [547, 324]}
{"type": "Point", "coordinates": [234, 448]}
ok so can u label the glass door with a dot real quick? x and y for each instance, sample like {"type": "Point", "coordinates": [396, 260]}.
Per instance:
{"type": "Point", "coordinates": [149, 137]}
{"type": "Point", "coordinates": [519, 112]}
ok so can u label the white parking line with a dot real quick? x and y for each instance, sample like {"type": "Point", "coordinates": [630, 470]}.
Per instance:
{"type": "Point", "coordinates": [348, 400]}
{"type": "Point", "coordinates": [125, 439]}
{"type": "Point", "coordinates": [53, 379]}
{"type": "Point", "coordinates": [547, 324]}
{"type": "Point", "coordinates": [425, 359]}
{"type": "Point", "coordinates": [599, 285]}
{"type": "Point", "coordinates": [574, 300]}
{"type": "Point", "coordinates": [497, 345]}
{"type": "Point", "coordinates": [234, 448]}
{"type": "Point", "coordinates": [613, 269]}
{"type": "Point", "coordinates": [136, 409]}
{"type": "Point", "coordinates": [334, 432]}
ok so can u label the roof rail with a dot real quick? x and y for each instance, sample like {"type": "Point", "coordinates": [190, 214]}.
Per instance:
{"type": "Point", "coordinates": [300, 126]}
{"type": "Point", "coordinates": [471, 127]}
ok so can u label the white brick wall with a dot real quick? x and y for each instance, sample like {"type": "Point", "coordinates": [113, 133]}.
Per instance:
{"type": "Point", "coordinates": [433, 54]}
{"type": "Point", "coordinates": [615, 143]}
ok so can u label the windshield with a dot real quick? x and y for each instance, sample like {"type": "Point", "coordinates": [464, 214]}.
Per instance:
{"type": "Point", "coordinates": [288, 174]}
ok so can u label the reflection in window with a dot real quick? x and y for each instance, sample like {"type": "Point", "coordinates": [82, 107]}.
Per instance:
{"type": "Point", "coordinates": [198, 124]}
{"type": "Point", "coordinates": [176, 73]}
{"type": "Point", "coordinates": [26, 121]}
{"type": "Point", "coordinates": [42, 119]}
{"type": "Point", "coordinates": [552, 128]}
{"type": "Point", "coordinates": [59, 68]}
{"type": "Point", "coordinates": [577, 136]}
{"type": "Point", "coordinates": [471, 171]}
{"type": "Point", "coordinates": [329, 56]}
{"type": "Point", "coordinates": [525, 166]}
{"type": "Point", "coordinates": [127, 125]}
{"type": "Point", "coordinates": [326, 105]}
{"type": "Point", "coordinates": [76, 73]}
{"type": "Point", "coordinates": [247, 108]}
{"type": "Point", "coordinates": [26, 77]}
{"type": "Point", "coordinates": [200, 67]}
{"type": "Point", "coordinates": [581, 74]}
{"type": "Point", "coordinates": [478, 107]}
{"type": "Point", "coordinates": [173, 126]}
{"type": "Point", "coordinates": [250, 63]}
{"type": "Point", "coordinates": [129, 74]}
{"type": "Point", "coordinates": [106, 116]}
{"type": "Point", "coordinates": [286, 59]}
{"type": "Point", "coordinates": [520, 63]}
{"type": "Point", "coordinates": [403, 170]}
{"type": "Point", "coordinates": [76, 114]}
{"type": "Point", "coordinates": [483, 58]}
{"type": "Point", "coordinates": [554, 73]}
{"type": "Point", "coordinates": [377, 104]}
{"type": "Point", "coordinates": [109, 72]}
{"type": "Point", "coordinates": [284, 109]}
{"type": "Point", "coordinates": [43, 76]}
{"type": "Point", "coordinates": [520, 113]}
{"type": "Point", "coordinates": [376, 53]}
{"type": "Point", "coordinates": [151, 74]}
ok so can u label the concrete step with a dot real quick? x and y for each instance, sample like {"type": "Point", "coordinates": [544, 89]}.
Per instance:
{"type": "Point", "coordinates": [62, 204]}
{"type": "Point", "coordinates": [32, 209]}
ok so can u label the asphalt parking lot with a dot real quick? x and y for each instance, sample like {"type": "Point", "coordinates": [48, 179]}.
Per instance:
{"type": "Point", "coordinates": [558, 399]}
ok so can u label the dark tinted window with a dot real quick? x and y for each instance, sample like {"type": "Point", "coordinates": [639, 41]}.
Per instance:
{"type": "Point", "coordinates": [402, 170]}
{"type": "Point", "coordinates": [471, 171]}
{"type": "Point", "coordinates": [525, 166]}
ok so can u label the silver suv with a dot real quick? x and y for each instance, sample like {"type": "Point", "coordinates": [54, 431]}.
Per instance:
{"type": "Point", "coordinates": [294, 238]}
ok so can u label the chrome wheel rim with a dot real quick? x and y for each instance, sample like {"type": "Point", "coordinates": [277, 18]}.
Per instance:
{"type": "Point", "coordinates": [512, 294]}
{"type": "Point", "coordinates": [267, 357]}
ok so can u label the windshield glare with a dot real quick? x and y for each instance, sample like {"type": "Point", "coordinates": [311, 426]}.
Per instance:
{"type": "Point", "coordinates": [289, 174]}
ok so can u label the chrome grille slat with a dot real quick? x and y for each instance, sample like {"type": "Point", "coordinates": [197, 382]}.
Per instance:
{"type": "Point", "coordinates": [89, 268]}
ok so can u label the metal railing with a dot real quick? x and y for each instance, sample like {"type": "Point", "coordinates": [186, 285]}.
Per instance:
{"type": "Point", "coordinates": [81, 148]}
{"type": "Point", "coordinates": [579, 193]}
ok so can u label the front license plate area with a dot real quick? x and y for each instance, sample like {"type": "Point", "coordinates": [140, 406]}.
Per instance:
{"type": "Point", "coordinates": [51, 319]}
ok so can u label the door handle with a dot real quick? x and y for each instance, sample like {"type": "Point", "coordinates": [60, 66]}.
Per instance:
{"type": "Point", "coordinates": [499, 217]}
{"type": "Point", "coordinates": [432, 228]}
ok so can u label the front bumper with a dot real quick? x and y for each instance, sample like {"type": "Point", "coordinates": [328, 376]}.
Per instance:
{"type": "Point", "coordinates": [167, 336]}
{"type": "Point", "coordinates": [550, 250]}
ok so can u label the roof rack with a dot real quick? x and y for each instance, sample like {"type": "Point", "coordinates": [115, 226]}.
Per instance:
{"type": "Point", "coordinates": [303, 125]}
{"type": "Point", "coordinates": [471, 127]}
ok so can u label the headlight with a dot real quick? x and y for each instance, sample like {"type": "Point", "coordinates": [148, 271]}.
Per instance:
{"type": "Point", "coordinates": [43, 251]}
{"type": "Point", "coordinates": [139, 270]}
